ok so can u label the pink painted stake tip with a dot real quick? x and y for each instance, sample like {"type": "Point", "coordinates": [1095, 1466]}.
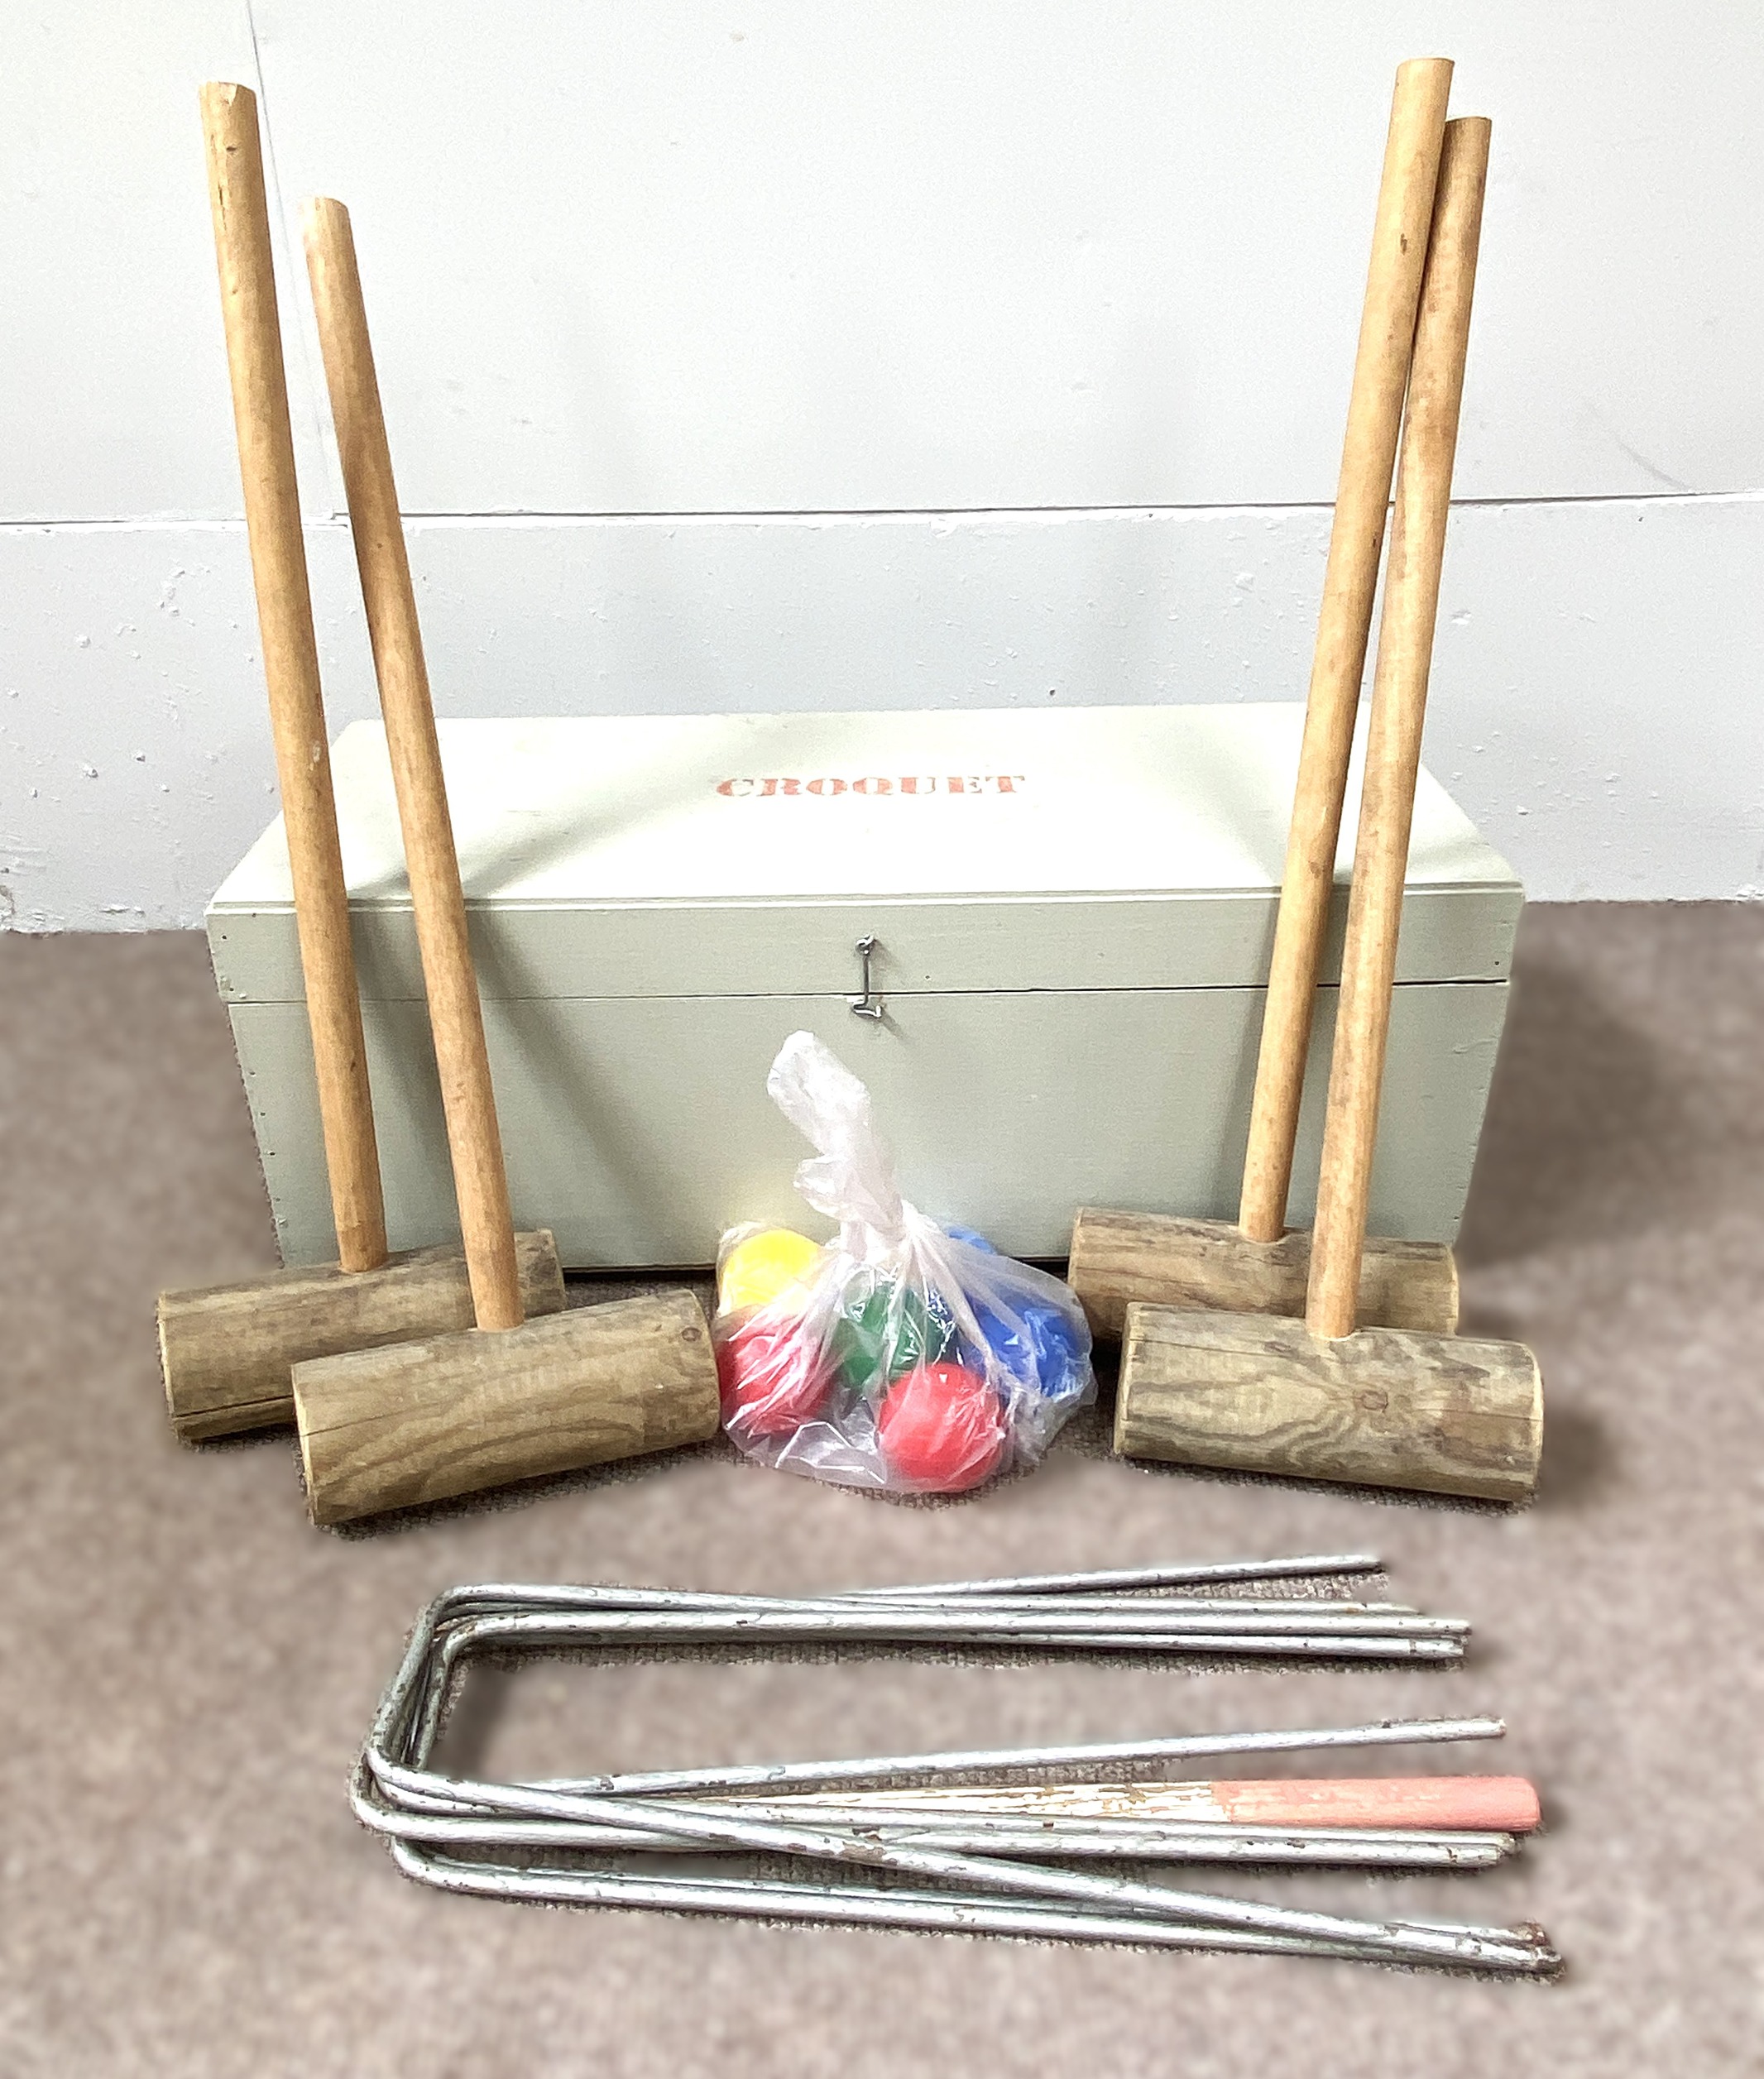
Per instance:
{"type": "Point", "coordinates": [1503, 1804]}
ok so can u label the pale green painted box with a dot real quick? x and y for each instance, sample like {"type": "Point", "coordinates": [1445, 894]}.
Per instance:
{"type": "Point", "coordinates": [1072, 912]}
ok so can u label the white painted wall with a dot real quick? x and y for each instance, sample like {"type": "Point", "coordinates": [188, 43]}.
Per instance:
{"type": "Point", "coordinates": [939, 353]}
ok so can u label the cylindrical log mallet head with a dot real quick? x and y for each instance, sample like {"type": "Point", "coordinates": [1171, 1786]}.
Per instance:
{"type": "Point", "coordinates": [228, 1351]}
{"type": "Point", "coordinates": [1383, 1407]}
{"type": "Point", "coordinates": [391, 1428]}
{"type": "Point", "coordinates": [1163, 1259]}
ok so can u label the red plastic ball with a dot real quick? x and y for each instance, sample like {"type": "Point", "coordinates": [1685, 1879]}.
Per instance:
{"type": "Point", "coordinates": [771, 1377]}
{"type": "Point", "coordinates": [941, 1428]}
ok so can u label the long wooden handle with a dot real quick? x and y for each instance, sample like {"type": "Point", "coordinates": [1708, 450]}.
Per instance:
{"type": "Point", "coordinates": [1368, 454]}
{"type": "Point", "coordinates": [455, 1016]}
{"type": "Point", "coordinates": [290, 667]}
{"type": "Point", "coordinates": [1399, 706]}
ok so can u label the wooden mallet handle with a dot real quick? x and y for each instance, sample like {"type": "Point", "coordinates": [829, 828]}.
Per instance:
{"type": "Point", "coordinates": [291, 668]}
{"type": "Point", "coordinates": [1399, 706]}
{"type": "Point", "coordinates": [455, 1017]}
{"type": "Point", "coordinates": [1368, 454]}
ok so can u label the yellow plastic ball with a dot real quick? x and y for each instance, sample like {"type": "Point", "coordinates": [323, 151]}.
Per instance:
{"type": "Point", "coordinates": [761, 1269]}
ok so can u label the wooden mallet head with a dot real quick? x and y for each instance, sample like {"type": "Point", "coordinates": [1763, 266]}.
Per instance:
{"type": "Point", "coordinates": [227, 1351]}
{"type": "Point", "coordinates": [1255, 1266]}
{"type": "Point", "coordinates": [512, 1398]}
{"type": "Point", "coordinates": [1321, 1397]}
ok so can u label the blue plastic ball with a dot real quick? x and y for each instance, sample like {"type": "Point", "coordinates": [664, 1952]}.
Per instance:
{"type": "Point", "coordinates": [1038, 1347]}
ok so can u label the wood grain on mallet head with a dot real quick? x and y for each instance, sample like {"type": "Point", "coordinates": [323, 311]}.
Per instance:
{"type": "Point", "coordinates": [290, 666]}
{"type": "Point", "coordinates": [228, 1352]}
{"type": "Point", "coordinates": [391, 1428]}
{"type": "Point", "coordinates": [1162, 1259]}
{"type": "Point", "coordinates": [1383, 1407]}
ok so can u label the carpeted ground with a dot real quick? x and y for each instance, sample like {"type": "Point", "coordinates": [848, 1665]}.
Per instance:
{"type": "Point", "coordinates": [187, 1668]}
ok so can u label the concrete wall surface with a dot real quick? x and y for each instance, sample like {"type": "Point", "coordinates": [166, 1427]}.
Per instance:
{"type": "Point", "coordinates": [937, 354]}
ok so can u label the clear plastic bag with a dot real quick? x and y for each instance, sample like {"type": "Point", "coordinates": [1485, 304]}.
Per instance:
{"type": "Point", "coordinates": [902, 1356]}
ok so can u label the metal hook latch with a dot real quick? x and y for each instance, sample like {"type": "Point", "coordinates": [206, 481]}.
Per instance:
{"type": "Point", "coordinates": [868, 1005]}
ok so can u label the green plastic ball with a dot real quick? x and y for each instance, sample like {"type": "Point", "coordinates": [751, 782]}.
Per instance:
{"type": "Point", "coordinates": [885, 1332]}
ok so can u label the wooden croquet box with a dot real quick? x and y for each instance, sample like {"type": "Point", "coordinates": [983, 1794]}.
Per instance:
{"type": "Point", "coordinates": [1071, 912]}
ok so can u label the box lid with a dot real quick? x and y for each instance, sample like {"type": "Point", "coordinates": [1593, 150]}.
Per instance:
{"type": "Point", "coordinates": [1124, 847]}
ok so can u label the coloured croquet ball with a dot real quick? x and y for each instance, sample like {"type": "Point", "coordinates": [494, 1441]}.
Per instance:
{"type": "Point", "coordinates": [941, 1428]}
{"type": "Point", "coordinates": [886, 1331]}
{"type": "Point", "coordinates": [762, 1269]}
{"type": "Point", "coordinates": [1037, 1345]}
{"type": "Point", "coordinates": [772, 1378]}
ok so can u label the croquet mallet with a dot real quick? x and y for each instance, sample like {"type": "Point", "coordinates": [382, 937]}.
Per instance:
{"type": "Point", "coordinates": [512, 1398]}
{"type": "Point", "coordinates": [1319, 1398]}
{"type": "Point", "coordinates": [227, 1351]}
{"type": "Point", "coordinates": [1255, 1266]}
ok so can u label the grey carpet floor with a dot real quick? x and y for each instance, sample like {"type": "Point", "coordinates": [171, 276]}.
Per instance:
{"type": "Point", "coordinates": [187, 1667]}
